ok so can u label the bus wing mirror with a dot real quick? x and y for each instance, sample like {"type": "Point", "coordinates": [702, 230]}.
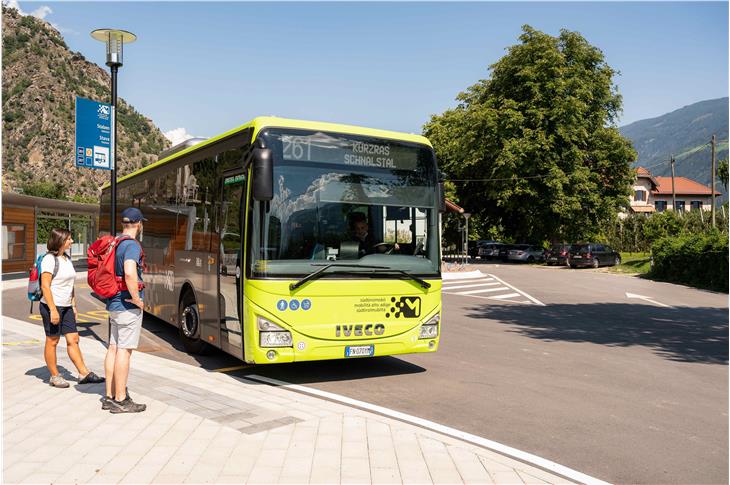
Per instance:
{"type": "Point", "coordinates": [441, 197]}
{"type": "Point", "coordinates": [263, 174]}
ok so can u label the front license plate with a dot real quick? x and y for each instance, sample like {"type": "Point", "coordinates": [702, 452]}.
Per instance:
{"type": "Point", "coordinates": [360, 351]}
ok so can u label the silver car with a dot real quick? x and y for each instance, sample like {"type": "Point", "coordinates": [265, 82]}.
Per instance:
{"type": "Point", "coordinates": [526, 253]}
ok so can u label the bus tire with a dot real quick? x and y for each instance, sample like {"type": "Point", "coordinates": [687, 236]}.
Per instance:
{"type": "Point", "coordinates": [190, 326]}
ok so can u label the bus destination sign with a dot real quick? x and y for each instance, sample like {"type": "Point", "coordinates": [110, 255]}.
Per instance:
{"type": "Point", "coordinates": [323, 148]}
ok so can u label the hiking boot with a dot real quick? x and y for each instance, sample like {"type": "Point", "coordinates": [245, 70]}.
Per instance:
{"type": "Point", "coordinates": [58, 381]}
{"type": "Point", "coordinates": [126, 406]}
{"type": "Point", "coordinates": [106, 402]}
{"type": "Point", "coordinates": [91, 378]}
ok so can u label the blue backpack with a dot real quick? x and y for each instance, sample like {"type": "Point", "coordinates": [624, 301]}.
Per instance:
{"type": "Point", "coordinates": [34, 280]}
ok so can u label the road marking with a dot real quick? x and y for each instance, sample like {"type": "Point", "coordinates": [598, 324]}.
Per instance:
{"type": "Point", "coordinates": [439, 428]}
{"type": "Point", "coordinates": [486, 290]}
{"type": "Point", "coordinates": [508, 295]}
{"type": "Point", "coordinates": [471, 286]}
{"type": "Point", "coordinates": [23, 342]}
{"type": "Point", "coordinates": [477, 279]}
{"type": "Point", "coordinates": [647, 298]}
{"type": "Point", "coordinates": [230, 369]}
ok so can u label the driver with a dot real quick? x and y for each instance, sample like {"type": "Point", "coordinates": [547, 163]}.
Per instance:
{"type": "Point", "coordinates": [359, 230]}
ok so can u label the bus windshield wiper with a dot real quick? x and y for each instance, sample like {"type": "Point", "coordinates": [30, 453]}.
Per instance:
{"type": "Point", "coordinates": [316, 274]}
{"type": "Point", "coordinates": [375, 269]}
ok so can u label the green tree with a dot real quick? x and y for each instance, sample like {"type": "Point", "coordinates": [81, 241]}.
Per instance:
{"type": "Point", "coordinates": [722, 172]}
{"type": "Point", "coordinates": [542, 130]}
{"type": "Point", "coordinates": [48, 190]}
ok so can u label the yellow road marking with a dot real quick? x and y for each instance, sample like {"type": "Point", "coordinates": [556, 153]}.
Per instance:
{"type": "Point", "coordinates": [23, 342]}
{"type": "Point", "coordinates": [35, 317]}
{"type": "Point", "coordinates": [229, 369]}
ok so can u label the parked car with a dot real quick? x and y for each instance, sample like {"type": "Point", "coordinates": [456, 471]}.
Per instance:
{"type": "Point", "coordinates": [593, 254]}
{"type": "Point", "coordinates": [557, 254]}
{"type": "Point", "coordinates": [504, 250]}
{"type": "Point", "coordinates": [475, 246]}
{"type": "Point", "coordinates": [490, 251]}
{"type": "Point", "coordinates": [526, 253]}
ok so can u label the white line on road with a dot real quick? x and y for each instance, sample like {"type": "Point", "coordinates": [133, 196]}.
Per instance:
{"type": "Point", "coordinates": [508, 295]}
{"type": "Point", "coordinates": [439, 428]}
{"type": "Point", "coordinates": [647, 298]}
{"type": "Point", "coordinates": [486, 290]}
{"type": "Point", "coordinates": [449, 288]}
{"type": "Point", "coordinates": [534, 300]}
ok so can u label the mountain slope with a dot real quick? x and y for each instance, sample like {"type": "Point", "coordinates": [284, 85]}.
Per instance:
{"type": "Point", "coordinates": [41, 79]}
{"type": "Point", "coordinates": [684, 133]}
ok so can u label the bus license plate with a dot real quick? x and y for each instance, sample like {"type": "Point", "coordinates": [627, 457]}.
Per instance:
{"type": "Point", "coordinates": [360, 351]}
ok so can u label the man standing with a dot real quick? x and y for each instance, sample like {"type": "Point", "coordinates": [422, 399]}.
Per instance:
{"type": "Point", "coordinates": [125, 315]}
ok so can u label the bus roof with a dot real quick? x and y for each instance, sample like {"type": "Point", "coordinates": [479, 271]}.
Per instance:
{"type": "Point", "coordinates": [262, 122]}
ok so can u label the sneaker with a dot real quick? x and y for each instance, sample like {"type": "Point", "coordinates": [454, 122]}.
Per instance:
{"type": "Point", "coordinates": [106, 403]}
{"type": "Point", "coordinates": [58, 381]}
{"type": "Point", "coordinates": [91, 378]}
{"type": "Point", "coordinates": [126, 406]}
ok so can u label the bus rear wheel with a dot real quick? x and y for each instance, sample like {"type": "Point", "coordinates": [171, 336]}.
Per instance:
{"type": "Point", "coordinates": [190, 326]}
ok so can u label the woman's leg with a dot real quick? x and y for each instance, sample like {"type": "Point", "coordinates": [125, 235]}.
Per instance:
{"type": "Point", "coordinates": [50, 354]}
{"type": "Point", "coordinates": [74, 353]}
{"type": "Point", "coordinates": [109, 360]}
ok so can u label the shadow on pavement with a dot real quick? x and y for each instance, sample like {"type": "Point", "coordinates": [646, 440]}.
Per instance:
{"type": "Point", "coordinates": [678, 334]}
{"type": "Point", "coordinates": [44, 375]}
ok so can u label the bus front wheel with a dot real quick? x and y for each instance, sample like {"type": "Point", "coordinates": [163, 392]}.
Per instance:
{"type": "Point", "coordinates": [190, 326]}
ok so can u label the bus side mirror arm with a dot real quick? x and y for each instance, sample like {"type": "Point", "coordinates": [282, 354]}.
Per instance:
{"type": "Point", "coordinates": [263, 174]}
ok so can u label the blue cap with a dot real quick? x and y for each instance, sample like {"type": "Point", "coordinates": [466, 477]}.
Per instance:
{"type": "Point", "coordinates": [132, 215]}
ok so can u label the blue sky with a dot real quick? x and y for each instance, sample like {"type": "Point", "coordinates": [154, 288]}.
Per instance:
{"type": "Point", "coordinates": [208, 67]}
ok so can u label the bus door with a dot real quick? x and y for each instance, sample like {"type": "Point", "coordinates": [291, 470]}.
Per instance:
{"type": "Point", "coordinates": [230, 261]}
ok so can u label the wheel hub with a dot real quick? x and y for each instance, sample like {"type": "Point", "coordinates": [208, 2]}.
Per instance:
{"type": "Point", "coordinates": [189, 322]}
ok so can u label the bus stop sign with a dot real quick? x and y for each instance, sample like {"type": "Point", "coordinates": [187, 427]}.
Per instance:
{"type": "Point", "coordinates": [94, 139]}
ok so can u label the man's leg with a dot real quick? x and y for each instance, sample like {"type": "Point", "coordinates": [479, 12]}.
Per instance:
{"type": "Point", "coordinates": [121, 373]}
{"type": "Point", "coordinates": [109, 361]}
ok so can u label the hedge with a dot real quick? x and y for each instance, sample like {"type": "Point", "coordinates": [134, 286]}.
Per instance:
{"type": "Point", "coordinates": [699, 260]}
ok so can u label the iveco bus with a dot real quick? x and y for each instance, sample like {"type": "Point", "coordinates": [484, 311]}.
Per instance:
{"type": "Point", "coordinates": [286, 240]}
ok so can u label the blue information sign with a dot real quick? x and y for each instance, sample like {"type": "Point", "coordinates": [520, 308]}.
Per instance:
{"type": "Point", "coordinates": [94, 134]}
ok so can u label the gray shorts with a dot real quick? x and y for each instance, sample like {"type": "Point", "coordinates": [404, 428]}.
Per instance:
{"type": "Point", "coordinates": [126, 328]}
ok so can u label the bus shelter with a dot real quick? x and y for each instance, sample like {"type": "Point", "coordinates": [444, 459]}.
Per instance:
{"type": "Point", "coordinates": [27, 222]}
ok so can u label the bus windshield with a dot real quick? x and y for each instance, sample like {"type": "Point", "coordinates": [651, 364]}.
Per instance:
{"type": "Point", "coordinates": [359, 200]}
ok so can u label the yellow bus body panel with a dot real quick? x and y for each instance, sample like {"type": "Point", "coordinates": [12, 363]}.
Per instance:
{"type": "Point", "coordinates": [355, 307]}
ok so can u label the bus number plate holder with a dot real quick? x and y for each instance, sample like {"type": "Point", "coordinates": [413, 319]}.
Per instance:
{"type": "Point", "coordinates": [359, 351]}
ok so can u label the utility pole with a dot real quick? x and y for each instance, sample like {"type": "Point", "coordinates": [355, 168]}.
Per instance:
{"type": "Point", "coordinates": [713, 176]}
{"type": "Point", "coordinates": [674, 194]}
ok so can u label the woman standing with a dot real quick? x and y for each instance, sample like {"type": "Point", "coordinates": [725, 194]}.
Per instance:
{"type": "Point", "coordinates": [58, 308]}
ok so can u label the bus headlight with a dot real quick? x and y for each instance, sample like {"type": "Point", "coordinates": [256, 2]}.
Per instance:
{"type": "Point", "coordinates": [430, 329]}
{"type": "Point", "coordinates": [272, 335]}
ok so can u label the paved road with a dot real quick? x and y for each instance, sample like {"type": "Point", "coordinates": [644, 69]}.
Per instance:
{"type": "Point", "coordinates": [620, 388]}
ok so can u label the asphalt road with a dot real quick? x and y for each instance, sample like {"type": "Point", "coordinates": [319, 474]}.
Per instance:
{"type": "Point", "coordinates": [625, 389]}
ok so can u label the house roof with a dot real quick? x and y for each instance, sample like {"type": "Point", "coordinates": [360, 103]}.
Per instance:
{"type": "Point", "coordinates": [641, 172]}
{"type": "Point", "coordinates": [682, 186]}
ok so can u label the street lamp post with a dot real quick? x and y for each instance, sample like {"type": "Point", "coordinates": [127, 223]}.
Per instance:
{"type": "Point", "coordinates": [466, 215]}
{"type": "Point", "coordinates": [114, 40]}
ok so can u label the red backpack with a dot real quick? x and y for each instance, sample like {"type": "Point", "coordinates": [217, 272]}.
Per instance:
{"type": "Point", "coordinates": [102, 278]}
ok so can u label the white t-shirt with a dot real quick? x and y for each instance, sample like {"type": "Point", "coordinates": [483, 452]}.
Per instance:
{"type": "Point", "coordinates": [62, 286]}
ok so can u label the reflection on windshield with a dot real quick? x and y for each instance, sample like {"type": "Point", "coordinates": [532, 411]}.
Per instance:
{"type": "Point", "coordinates": [365, 215]}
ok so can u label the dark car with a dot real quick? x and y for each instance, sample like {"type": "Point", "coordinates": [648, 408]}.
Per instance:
{"type": "Point", "coordinates": [557, 254]}
{"type": "Point", "coordinates": [490, 251]}
{"type": "Point", "coordinates": [592, 254]}
{"type": "Point", "coordinates": [476, 246]}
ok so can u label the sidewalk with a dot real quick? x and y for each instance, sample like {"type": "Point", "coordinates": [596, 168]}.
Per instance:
{"type": "Point", "coordinates": [209, 427]}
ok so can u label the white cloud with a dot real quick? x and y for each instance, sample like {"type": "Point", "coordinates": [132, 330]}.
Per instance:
{"type": "Point", "coordinates": [41, 12]}
{"type": "Point", "coordinates": [178, 135]}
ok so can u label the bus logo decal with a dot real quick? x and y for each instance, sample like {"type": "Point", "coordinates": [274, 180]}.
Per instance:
{"type": "Point", "coordinates": [306, 304]}
{"type": "Point", "coordinates": [281, 305]}
{"type": "Point", "coordinates": [294, 305]}
{"type": "Point", "coordinates": [406, 307]}
{"type": "Point", "coordinates": [359, 330]}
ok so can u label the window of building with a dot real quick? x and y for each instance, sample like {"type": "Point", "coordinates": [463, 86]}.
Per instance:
{"type": "Point", "coordinates": [660, 205]}
{"type": "Point", "coordinates": [695, 205]}
{"type": "Point", "coordinates": [13, 236]}
{"type": "Point", "coordinates": [640, 195]}
{"type": "Point", "coordinates": [679, 205]}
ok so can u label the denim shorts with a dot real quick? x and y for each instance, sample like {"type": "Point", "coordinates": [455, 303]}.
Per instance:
{"type": "Point", "coordinates": [66, 325]}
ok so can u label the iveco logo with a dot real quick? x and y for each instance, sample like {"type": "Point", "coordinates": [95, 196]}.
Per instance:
{"type": "Point", "coordinates": [359, 330]}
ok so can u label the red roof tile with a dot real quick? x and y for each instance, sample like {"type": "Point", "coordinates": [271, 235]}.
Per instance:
{"type": "Point", "coordinates": [682, 186]}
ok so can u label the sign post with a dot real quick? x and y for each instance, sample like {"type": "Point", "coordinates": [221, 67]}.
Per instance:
{"type": "Point", "coordinates": [94, 135]}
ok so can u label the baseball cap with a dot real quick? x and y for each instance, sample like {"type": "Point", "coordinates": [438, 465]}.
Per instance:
{"type": "Point", "coordinates": [132, 214]}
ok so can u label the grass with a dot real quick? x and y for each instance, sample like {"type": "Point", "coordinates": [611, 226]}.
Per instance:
{"type": "Point", "coordinates": [633, 263]}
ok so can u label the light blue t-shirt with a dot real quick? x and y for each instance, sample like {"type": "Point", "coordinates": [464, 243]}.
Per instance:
{"type": "Point", "coordinates": [127, 249]}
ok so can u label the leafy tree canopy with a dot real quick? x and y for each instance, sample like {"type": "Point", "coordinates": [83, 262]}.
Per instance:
{"type": "Point", "coordinates": [542, 129]}
{"type": "Point", "coordinates": [722, 172]}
